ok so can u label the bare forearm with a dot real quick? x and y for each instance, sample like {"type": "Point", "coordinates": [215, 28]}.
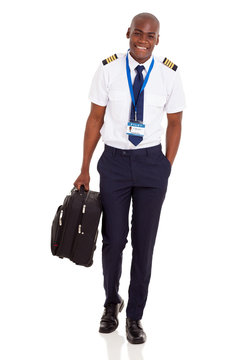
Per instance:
{"type": "Point", "coordinates": [91, 138]}
{"type": "Point", "coordinates": [173, 136]}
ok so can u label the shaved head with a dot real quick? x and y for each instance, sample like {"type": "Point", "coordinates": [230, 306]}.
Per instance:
{"type": "Point", "coordinates": [145, 17]}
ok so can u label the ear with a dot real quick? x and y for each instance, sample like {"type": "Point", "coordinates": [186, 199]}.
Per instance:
{"type": "Point", "coordinates": [128, 33]}
{"type": "Point", "coordinates": [157, 40]}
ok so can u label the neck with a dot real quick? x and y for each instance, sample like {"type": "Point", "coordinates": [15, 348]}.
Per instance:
{"type": "Point", "coordinates": [140, 61]}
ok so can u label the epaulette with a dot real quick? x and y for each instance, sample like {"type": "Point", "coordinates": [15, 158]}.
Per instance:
{"type": "Point", "coordinates": [109, 59]}
{"type": "Point", "coordinates": [170, 64]}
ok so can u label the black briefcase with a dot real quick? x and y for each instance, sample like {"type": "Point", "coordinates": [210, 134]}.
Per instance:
{"type": "Point", "coordinates": [75, 226]}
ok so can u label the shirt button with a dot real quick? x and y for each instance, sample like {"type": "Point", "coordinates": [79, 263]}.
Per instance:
{"type": "Point", "coordinates": [124, 152]}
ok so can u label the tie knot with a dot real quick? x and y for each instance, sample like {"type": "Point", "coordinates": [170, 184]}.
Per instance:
{"type": "Point", "coordinates": [139, 68]}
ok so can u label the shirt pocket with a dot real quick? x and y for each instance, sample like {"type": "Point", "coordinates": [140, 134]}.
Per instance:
{"type": "Point", "coordinates": [156, 100]}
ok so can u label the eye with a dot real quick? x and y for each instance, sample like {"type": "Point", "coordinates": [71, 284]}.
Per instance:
{"type": "Point", "coordinates": [136, 33]}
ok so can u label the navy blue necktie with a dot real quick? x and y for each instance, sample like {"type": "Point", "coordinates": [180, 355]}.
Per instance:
{"type": "Point", "coordinates": [139, 98]}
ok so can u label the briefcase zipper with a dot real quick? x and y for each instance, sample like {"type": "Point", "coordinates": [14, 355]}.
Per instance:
{"type": "Point", "coordinates": [60, 228]}
{"type": "Point", "coordinates": [61, 213]}
{"type": "Point", "coordinates": [60, 217]}
{"type": "Point", "coordinates": [63, 220]}
{"type": "Point", "coordinates": [80, 225]}
{"type": "Point", "coordinates": [81, 216]}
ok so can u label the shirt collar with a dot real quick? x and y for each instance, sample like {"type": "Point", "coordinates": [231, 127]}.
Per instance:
{"type": "Point", "coordinates": [133, 63]}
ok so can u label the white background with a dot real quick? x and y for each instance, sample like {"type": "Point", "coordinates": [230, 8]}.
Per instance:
{"type": "Point", "coordinates": [50, 308]}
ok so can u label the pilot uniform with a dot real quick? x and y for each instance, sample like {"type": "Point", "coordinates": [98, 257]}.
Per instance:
{"type": "Point", "coordinates": [128, 171]}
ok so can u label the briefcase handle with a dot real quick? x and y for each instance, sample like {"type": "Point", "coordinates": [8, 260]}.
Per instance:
{"type": "Point", "coordinates": [81, 191]}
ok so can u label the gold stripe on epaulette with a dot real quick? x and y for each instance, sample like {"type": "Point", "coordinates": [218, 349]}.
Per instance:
{"type": "Point", "coordinates": [109, 59]}
{"type": "Point", "coordinates": [170, 64]}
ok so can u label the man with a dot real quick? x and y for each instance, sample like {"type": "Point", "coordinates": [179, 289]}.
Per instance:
{"type": "Point", "coordinates": [129, 95]}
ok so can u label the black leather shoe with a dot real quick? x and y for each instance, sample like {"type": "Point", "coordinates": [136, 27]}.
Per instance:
{"type": "Point", "coordinates": [109, 320]}
{"type": "Point", "coordinates": [134, 331]}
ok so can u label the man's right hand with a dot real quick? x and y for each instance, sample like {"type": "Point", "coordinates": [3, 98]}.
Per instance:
{"type": "Point", "coordinates": [83, 179]}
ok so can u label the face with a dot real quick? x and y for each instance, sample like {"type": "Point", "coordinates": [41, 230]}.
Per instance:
{"type": "Point", "coordinates": [143, 35]}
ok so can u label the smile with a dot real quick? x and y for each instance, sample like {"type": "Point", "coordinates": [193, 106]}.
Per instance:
{"type": "Point", "coordinates": [141, 47]}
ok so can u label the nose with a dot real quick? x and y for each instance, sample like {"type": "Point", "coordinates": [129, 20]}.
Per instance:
{"type": "Point", "coordinates": [143, 39]}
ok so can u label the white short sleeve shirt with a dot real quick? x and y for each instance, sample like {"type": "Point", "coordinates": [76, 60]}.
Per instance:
{"type": "Point", "coordinates": [163, 93]}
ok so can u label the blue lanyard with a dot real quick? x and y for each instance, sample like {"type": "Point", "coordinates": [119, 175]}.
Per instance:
{"type": "Point", "coordinates": [130, 80]}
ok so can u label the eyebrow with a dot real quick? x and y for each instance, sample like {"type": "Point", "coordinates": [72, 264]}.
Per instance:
{"type": "Point", "coordinates": [150, 32]}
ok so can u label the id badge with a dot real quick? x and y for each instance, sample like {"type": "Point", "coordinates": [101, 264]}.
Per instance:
{"type": "Point", "coordinates": [135, 129]}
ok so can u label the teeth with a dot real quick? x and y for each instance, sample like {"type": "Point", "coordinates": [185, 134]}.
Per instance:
{"type": "Point", "coordinates": [142, 48]}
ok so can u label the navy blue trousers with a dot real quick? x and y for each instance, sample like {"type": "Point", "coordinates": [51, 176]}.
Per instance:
{"type": "Point", "coordinates": [140, 175]}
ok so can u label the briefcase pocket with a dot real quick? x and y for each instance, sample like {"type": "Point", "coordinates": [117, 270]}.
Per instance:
{"type": "Point", "coordinates": [86, 237]}
{"type": "Point", "coordinates": [83, 249]}
{"type": "Point", "coordinates": [56, 230]}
